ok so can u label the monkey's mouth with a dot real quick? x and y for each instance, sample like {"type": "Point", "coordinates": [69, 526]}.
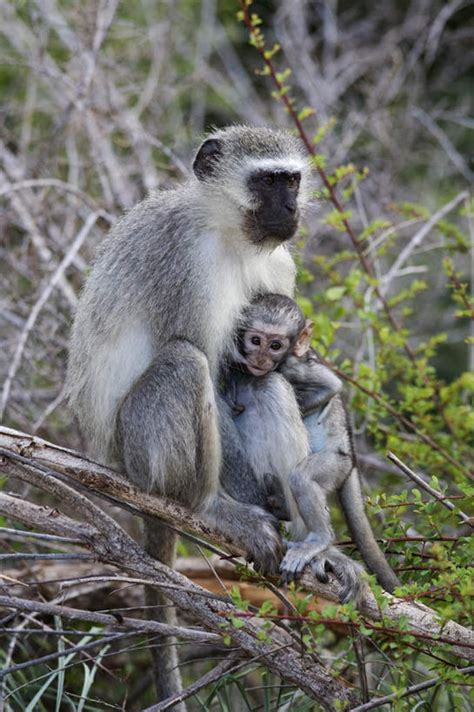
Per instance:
{"type": "Point", "coordinates": [261, 229]}
{"type": "Point", "coordinates": [256, 371]}
{"type": "Point", "coordinates": [281, 231]}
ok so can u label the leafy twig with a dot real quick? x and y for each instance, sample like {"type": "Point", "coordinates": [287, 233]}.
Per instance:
{"type": "Point", "coordinates": [428, 488]}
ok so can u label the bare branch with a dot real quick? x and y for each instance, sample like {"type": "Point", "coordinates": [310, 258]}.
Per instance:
{"type": "Point", "coordinates": [30, 322]}
{"type": "Point", "coordinates": [99, 479]}
{"type": "Point", "coordinates": [110, 621]}
{"type": "Point", "coordinates": [431, 490]}
{"type": "Point", "coordinates": [418, 238]}
{"type": "Point", "coordinates": [378, 702]}
{"type": "Point", "coordinates": [223, 668]}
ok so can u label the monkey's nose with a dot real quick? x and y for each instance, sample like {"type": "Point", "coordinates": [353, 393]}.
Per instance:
{"type": "Point", "coordinates": [291, 208]}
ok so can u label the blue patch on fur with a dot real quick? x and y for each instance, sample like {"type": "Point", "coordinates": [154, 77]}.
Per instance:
{"type": "Point", "coordinates": [316, 427]}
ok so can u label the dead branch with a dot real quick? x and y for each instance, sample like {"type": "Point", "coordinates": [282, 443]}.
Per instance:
{"type": "Point", "coordinates": [109, 621]}
{"type": "Point", "coordinates": [229, 664]}
{"type": "Point", "coordinates": [112, 545]}
{"type": "Point", "coordinates": [22, 454]}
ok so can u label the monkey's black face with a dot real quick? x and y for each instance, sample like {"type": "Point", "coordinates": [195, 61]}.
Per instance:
{"type": "Point", "coordinates": [276, 216]}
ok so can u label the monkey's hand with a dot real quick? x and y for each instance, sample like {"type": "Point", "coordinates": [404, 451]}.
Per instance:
{"type": "Point", "coordinates": [275, 499]}
{"type": "Point", "coordinates": [250, 526]}
{"type": "Point", "coordinates": [331, 560]}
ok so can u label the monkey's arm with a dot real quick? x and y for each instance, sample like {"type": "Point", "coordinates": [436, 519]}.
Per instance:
{"type": "Point", "coordinates": [314, 383]}
{"type": "Point", "coordinates": [324, 385]}
{"type": "Point", "coordinates": [229, 394]}
{"type": "Point", "coordinates": [237, 476]}
{"type": "Point", "coordinates": [171, 433]}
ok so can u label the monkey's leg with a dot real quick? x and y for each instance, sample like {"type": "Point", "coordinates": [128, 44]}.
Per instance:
{"type": "Point", "coordinates": [239, 510]}
{"type": "Point", "coordinates": [168, 439]}
{"type": "Point", "coordinates": [252, 527]}
{"type": "Point", "coordinates": [160, 542]}
{"type": "Point", "coordinates": [311, 515]}
{"type": "Point", "coordinates": [310, 483]}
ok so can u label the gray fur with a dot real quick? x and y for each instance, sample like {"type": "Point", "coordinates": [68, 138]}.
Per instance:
{"type": "Point", "coordinates": [331, 467]}
{"type": "Point", "coordinates": [155, 317]}
{"type": "Point", "coordinates": [309, 458]}
{"type": "Point", "coordinates": [277, 445]}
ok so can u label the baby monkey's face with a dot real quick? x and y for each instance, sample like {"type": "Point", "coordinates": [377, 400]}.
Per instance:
{"type": "Point", "coordinates": [262, 349]}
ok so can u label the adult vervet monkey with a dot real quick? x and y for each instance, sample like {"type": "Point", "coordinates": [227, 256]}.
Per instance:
{"type": "Point", "coordinates": [156, 315]}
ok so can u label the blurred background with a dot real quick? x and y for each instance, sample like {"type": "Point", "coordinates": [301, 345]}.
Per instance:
{"type": "Point", "coordinates": [102, 101]}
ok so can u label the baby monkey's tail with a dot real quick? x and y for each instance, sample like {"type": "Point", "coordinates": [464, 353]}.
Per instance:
{"type": "Point", "coordinates": [352, 503]}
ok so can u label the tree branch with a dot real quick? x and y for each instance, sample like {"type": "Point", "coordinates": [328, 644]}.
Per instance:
{"type": "Point", "coordinates": [80, 471]}
{"type": "Point", "coordinates": [111, 544]}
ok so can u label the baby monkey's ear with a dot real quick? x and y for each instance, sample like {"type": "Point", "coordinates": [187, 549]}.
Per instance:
{"type": "Point", "coordinates": [303, 342]}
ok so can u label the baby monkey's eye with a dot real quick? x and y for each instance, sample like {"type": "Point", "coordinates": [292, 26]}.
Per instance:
{"type": "Point", "coordinates": [292, 181]}
{"type": "Point", "coordinates": [268, 178]}
{"type": "Point", "coordinates": [255, 340]}
{"type": "Point", "coordinates": [275, 346]}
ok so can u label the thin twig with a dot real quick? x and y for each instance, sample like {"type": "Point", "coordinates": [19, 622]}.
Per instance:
{"type": "Point", "coordinates": [104, 619]}
{"type": "Point", "coordinates": [408, 692]}
{"type": "Point", "coordinates": [23, 534]}
{"type": "Point", "coordinates": [418, 238]}
{"type": "Point", "coordinates": [223, 668]}
{"type": "Point", "coordinates": [428, 488]}
{"type": "Point", "coordinates": [45, 557]}
{"type": "Point", "coordinates": [107, 639]}
{"type": "Point", "coordinates": [61, 185]}
{"type": "Point", "coordinates": [30, 322]}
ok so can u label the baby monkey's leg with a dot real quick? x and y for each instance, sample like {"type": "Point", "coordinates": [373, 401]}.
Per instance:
{"type": "Point", "coordinates": [310, 484]}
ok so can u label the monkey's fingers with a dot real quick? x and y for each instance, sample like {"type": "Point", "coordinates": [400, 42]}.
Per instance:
{"type": "Point", "coordinates": [320, 566]}
{"type": "Point", "coordinates": [298, 556]}
{"type": "Point", "coordinates": [347, 572]}
{"type": "Point", "coordinates": [278, 508]}
{"type": "Point", "coordinates": [261, 539]}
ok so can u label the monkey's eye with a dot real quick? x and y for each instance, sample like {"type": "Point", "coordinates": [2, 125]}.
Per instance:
{"type": "Point", "coordinates": [255, 340]}
{"type": "Point", "coordinates": [292, 182]}
{"type": "Point", "coordinates": [268, 179]}
{"type": "Point", "coordinates": [275, 346]}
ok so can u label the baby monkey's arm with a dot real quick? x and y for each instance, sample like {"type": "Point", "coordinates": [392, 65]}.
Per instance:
{"type": "Point", "coordinates": [314, 383]}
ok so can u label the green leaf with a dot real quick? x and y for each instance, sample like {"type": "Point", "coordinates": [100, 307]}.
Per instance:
{"type": "Point", "coordinates": [335, 293]}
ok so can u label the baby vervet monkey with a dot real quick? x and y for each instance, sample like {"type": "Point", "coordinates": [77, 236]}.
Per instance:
{"type": "Point", "coordinates": [273, 341]}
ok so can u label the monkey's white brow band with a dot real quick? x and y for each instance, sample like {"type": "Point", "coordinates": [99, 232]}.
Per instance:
{"type": "Point", "coordinates": [276, 164]}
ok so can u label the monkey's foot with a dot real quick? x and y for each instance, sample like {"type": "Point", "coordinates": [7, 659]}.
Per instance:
{"type": "Point", "coordinates": [261, 539]}
{"type": "Point", "coordinates": [331, 560]}
{"type": "Point", "coordinates": [298, 555]}
{"type": "Point", "coordinates": [254, 529]}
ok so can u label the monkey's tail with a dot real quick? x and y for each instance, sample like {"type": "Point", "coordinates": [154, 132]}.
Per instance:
{"type": "Point", "coordinates": [160, 542]}
{"type": "Point", "coordinates": [352, 503]}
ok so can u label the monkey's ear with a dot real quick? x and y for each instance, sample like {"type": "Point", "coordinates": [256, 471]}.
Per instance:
{"type": "Point", "coordinates": [303, 342]}
{"type": "Point", "coordinates": [207, 158]}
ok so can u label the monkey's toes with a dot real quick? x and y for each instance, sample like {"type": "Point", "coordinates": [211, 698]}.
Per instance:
{"type": "Point", "coordinates": [293, 563]}
{"type": "Point", "coordinates": [347, 572]}
{"type": "Point", "coordinates": [264, 545]}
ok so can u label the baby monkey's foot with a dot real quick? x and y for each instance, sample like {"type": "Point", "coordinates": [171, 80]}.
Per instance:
{"type": "Point", "coordinates": [322, 562]}
{"type": "Point", "coordinates": [298, 555]}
